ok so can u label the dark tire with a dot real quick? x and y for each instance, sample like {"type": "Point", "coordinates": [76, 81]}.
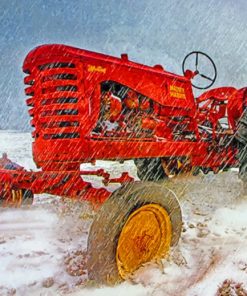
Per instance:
{"type": "Point", "coordinates": [196, 171]}
{"type": "Point", "coordinates": [111, 218]}
{"type": "Point", "coordinates": [241, 136]}
{"type": "Point", "coordinates": [1, 201]}
{"type": "Point", "coordinates": [150, 169]}
{"type": "Point", "coordinates": [206, 170]}
{"type": "Point", "coordinates": [27, 198]}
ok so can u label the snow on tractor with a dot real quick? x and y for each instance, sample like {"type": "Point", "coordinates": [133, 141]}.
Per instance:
{"type": "Point", "coordinates": [87, 106]}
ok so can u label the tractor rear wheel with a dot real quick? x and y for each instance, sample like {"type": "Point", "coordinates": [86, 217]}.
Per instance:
{"type": "Point", "coordinates": [150, 169]}
{"type": "Point", "coordinates": [27, 197]}
{"type": "Point", "coordinates": [137, 224]}
{"type": "Point", "coordinates": [241, 137]}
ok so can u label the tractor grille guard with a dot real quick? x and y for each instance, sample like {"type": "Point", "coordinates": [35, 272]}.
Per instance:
{"type": "Point", "coordinates": [54, 91]}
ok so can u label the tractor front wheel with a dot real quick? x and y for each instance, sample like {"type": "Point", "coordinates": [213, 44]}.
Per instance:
{"type": "Point", "coordinates": [137, 224]}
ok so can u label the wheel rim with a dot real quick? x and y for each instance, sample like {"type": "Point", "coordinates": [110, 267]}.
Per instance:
{"type": "Point", "coordinates": [146, 236]}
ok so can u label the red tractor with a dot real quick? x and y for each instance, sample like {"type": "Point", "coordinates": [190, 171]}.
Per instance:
{"type": "Point", "coordinates": [86, 106]}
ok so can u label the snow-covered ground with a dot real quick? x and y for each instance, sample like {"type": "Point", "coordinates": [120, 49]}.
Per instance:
{"type": "Point", "coordinates": [40, 246]}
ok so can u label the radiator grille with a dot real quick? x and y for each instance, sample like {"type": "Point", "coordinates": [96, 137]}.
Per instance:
{"type": "Point", "coordinates": [54, 91]}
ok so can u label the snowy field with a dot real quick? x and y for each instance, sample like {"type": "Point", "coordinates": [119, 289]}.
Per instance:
{"type": "Point", "coordinates": [42, 246]}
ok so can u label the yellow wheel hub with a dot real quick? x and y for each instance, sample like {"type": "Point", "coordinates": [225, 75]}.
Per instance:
{"type": "Point", "coordinates": [146, 236]}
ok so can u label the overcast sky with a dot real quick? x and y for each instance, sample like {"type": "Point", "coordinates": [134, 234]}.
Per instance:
{"type": "Point", "coordinates": [151, 31]}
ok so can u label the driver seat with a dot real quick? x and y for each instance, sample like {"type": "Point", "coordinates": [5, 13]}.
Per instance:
{"type": "Point", "coordinates": [213, 104]}
{"type": "Point", "coordinates": [220, 94]}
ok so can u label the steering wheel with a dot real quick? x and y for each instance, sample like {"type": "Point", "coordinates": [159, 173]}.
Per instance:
{"type": "Point", "coordinates": [210, 63]}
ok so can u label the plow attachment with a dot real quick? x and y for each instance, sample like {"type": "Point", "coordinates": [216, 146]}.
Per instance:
{"type": "Point", "coordinates": [17, 185]}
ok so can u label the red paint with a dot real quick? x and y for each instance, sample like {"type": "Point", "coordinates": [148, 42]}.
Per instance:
{"type": "Point", "coordinates": [72, 96]}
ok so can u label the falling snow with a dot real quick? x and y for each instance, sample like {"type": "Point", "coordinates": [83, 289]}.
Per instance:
{"type": "Point", "coordinates": [150, 31]}
{"type": "Point", "coordinates": [43, 247]}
